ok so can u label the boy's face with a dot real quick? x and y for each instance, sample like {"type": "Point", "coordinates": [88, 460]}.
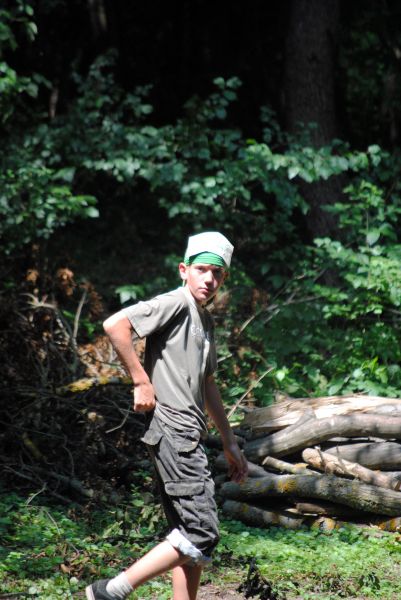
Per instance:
{"type": "Point", "coordinates": [202, 280]}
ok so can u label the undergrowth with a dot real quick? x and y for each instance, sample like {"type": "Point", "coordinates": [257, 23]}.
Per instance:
{"type": "Point", "coordinates": [51, 552]}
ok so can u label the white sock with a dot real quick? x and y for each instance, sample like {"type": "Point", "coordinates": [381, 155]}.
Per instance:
{"type": "Point", "coordinates": [119, 587]}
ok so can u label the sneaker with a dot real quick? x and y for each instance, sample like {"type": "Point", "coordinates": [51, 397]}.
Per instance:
{"type": "Point", "coordinates": [97, 590]}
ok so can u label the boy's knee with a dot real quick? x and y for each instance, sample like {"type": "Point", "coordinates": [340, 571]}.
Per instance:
{"type": "Point", "coordinates": [197, 545]}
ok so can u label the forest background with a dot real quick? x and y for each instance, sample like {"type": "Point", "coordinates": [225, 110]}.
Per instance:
{"type": "Point", "coordinates": [125, 127]}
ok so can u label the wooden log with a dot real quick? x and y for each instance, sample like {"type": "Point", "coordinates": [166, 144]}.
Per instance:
{"type": "Point", "coordinates": [330, 463]}
{"type": "Point", "coordinates": [394, 474]}
{"type": "Point", "coordinates": [287, 411]}
{"type": "Point", "coordinates": [315, 431]}
{"type": "Point", "coordinates": [215, 442]}
{"type": "Point", "coordinates": [391, 410]}
{"type": "Point", "coordinates": [220, 479]}
{"type": "Point", "coordinates": [361, 496]}
{"type": "Point", "coordinates": [284, 467]}
{"type": "Point", "coordinates": [327, 509]}
{"type": "Point", "coordinates": [385, 456]}
{"type": "Point", "coordinates": [388, 524]}
{"type": "Point", "coordinates": [259, 517]}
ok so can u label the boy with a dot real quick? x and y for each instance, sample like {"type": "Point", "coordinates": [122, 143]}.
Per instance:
{"type": "Point", "coordinates": [174, 388]}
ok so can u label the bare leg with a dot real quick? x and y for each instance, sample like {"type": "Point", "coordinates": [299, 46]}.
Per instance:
{"type": "Point", "coordinates": [160, 559]}
{"type": "Point", "coordinates": [186, 582]}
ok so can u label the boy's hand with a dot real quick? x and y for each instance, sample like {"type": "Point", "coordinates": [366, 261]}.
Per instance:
{"type": "Point", "coordinates": [237, 463]}
{"type": "Point", "coordinates": [144, 397]}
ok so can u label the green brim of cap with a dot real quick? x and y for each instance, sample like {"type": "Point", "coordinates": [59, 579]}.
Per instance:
{"type": "Point", "coordinates": [206, 258]}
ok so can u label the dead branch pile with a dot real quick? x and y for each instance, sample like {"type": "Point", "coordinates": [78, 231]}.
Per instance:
{"type": "Point", "coordinates": [319, 461]}
{"type": "Point", "coordinates": [67, 429]}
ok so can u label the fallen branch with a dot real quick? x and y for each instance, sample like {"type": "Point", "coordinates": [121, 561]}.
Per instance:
{"type": "Point", "coordinates": [377, 455]}
{"type": "Point", "coordinates": [336, 465]}
{"type": "Point", "coordinates": [285, 467]}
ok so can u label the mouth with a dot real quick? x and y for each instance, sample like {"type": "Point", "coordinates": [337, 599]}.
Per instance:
{"type": "Point", "coordinates": [205, 292]}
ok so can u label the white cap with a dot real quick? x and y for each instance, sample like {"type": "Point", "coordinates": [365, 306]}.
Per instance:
{"type": "Point", "coordinates": [210, 241]}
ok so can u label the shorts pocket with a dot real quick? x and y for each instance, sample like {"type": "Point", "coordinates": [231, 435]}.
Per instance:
{"type": "Point", "coordinates": [185, 441]}
{"type": "Point", "coordinates": [184, 488]}
{"type": "Point", "coordinates": [152, 437]}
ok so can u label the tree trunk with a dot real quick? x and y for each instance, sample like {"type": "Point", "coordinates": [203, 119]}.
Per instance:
{"type": "Point", "coordinates": [358, 495]}
{"type": "Point", "coordinates": [309, 95]}
{"type": "Point", "coordinates": [316, 431]}
{"type": "Point", "coordinates": [329, 463]}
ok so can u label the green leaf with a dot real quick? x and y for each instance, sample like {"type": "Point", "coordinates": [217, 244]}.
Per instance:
{"type": "Point", "coordinates": [372, 236]}
{"type": "Point", "coordinates": [293, 171]}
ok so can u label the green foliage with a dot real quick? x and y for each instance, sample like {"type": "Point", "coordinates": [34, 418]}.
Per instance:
{"type": "Point", "coordinates": [47, 552]}
{"type": "Point", "coordinates": [35, 201]}
{"type": "Point", "coordinates": [335, 326]}
{"type": "Point", "coordinates": [348, 562]}
{"type": "Point", "coordinates": [315, 301]}
{"type": "Point", "coordinates": [51, 553]}
{"type": "Point", "coordinates": [199, 169]}
{"type": "Point", "coordinates": [16, 20]}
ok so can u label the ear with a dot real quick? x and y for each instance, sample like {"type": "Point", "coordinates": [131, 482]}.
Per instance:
{"type": "Point", "coordinates": [183, 270]}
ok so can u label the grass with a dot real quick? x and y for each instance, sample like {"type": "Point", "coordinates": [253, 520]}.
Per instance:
{"type": "Point", "coordinates": [50, 552]}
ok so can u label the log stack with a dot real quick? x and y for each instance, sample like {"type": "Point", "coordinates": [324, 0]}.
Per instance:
{"type": "Point", "coordinates": [319, 462]}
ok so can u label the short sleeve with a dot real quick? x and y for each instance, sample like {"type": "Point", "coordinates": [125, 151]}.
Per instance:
{"type": "Point", "coordinates": [153, 315]}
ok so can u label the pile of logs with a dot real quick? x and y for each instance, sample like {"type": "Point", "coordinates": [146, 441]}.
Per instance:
{"type": "Point", "coordinates": [319, 462]}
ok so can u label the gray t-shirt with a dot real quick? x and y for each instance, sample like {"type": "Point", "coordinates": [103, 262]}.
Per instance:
{"type": "Point", "coordinates": [180, 353]}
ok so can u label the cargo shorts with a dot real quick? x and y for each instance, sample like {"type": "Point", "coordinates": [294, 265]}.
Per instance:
{"type": "Point", "coordinates": [186, 488]}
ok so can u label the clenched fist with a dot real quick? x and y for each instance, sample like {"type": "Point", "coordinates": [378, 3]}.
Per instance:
{"type": "Point", "coordinates": [144, 397]}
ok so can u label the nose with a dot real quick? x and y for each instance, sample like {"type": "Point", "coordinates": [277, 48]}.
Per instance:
{"type": "Point", "coordinates": [208, 276]}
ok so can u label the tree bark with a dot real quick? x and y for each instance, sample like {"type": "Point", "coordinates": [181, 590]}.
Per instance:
{"type": "Point", "coordinates": [309, 95]}
{"type": "Point", "coordinates": [358, 495]}
{"type": "Point", "coordinates": [388, 524]}
{"type": "Point", "coordinates": [259, 517]}
{"type": "Point", "coordinates": [329, 463]}
{"type": "Point", "coordinates": [319, 430]}
{"type": "Point", "coordinates": [284, 467]}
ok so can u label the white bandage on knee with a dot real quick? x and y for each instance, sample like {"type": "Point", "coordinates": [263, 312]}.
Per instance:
{"type": "Point", "coordinates": [187, 548]}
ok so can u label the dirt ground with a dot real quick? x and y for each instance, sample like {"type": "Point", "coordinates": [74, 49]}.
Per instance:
{"type": "Point", "coordinates": [210, 591]}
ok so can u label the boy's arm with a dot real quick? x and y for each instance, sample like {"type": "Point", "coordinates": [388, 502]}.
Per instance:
{"type": "Point", "coordinates": [119, 330]}
{"type": "Point", "coordinates": [238, 466]}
